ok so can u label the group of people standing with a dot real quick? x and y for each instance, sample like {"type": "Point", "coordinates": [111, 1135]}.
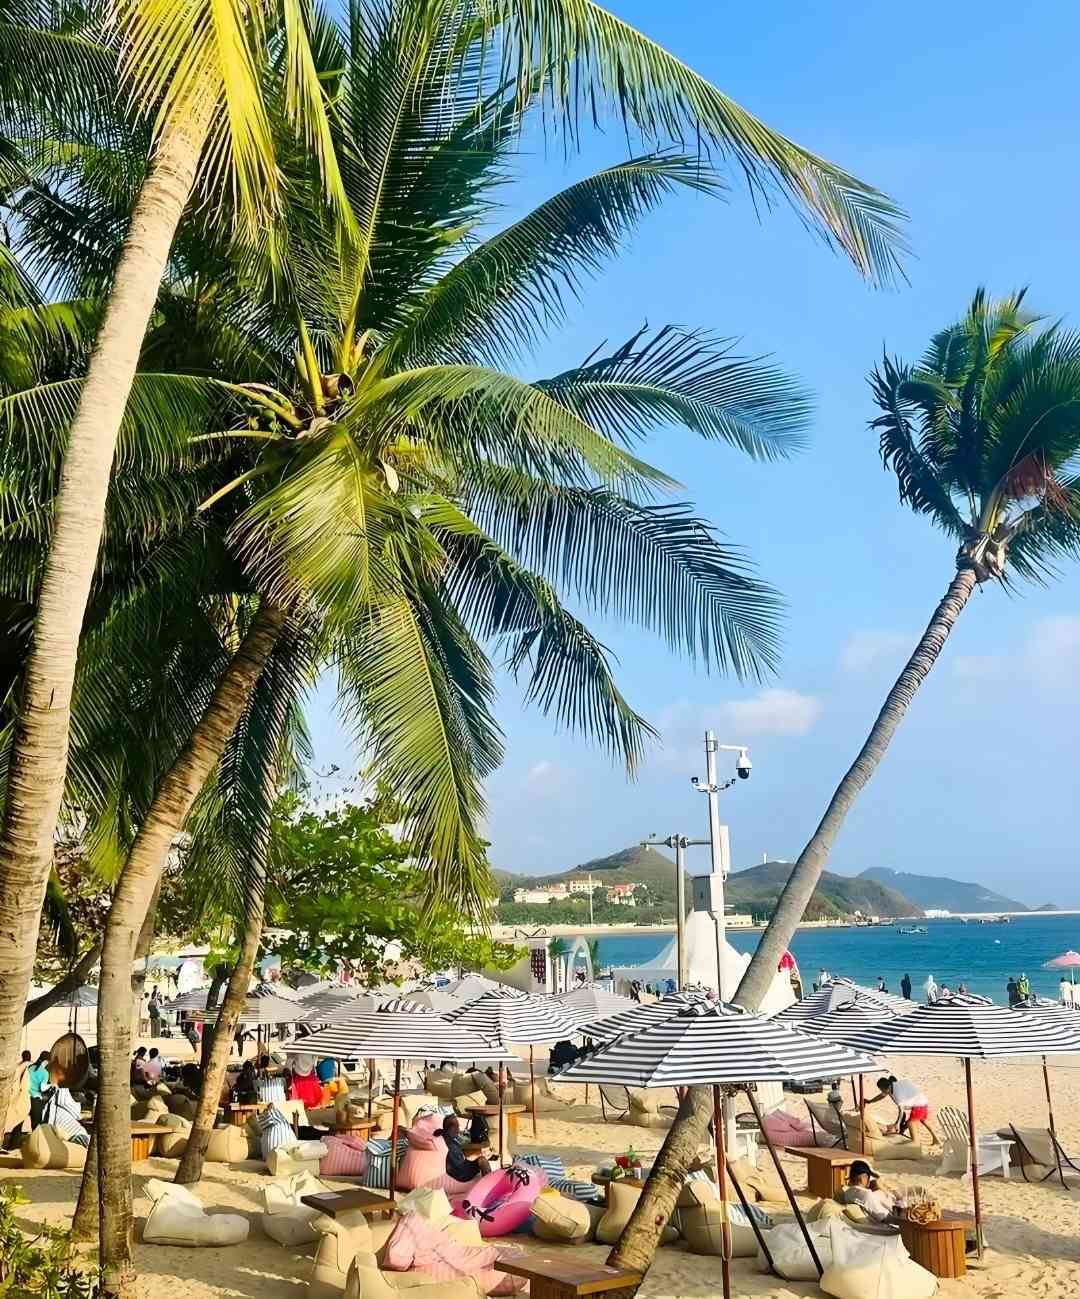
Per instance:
{"type": "Point", "coordinates": [1018, 990]}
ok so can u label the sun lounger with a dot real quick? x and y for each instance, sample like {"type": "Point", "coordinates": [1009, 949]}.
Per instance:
{"type": "Point", "coordinates": [826, 1125]}
{"type": "Point", "coordinates": [1038, 1148]}
{"type": "Point", "coordinates": [614, 1103]}
{"type": "Point", "coordinates": [992, 1150]}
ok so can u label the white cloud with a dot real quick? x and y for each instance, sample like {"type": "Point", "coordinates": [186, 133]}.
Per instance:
{"type": "Point", "coordinates": [978, 667]}
{"type": "Point", "coordinates": [1053, 647]}
{"type": "Point", "coordinates": [775, 711]}
{"type": "Point", "coordinates": [544, 776]}
{"type": "Point", "coordinates": [867, 649]}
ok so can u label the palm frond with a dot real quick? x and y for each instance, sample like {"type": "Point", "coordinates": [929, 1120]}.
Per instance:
{"type": "Point", "coordinates": [688, 378]}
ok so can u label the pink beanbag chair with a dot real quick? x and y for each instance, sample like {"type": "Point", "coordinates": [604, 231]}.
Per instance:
{"type": "Point", "coordinates": [425, 1166]}
{"type": "Point", "coordinates": [418, 1245]}
{"type": "Point", "coordinates": [502, 1200]}
{"type": "Point", "coordinates": [345, 1157]}
{"type": "Point", "coordinates": [422, 1133]}
{"type": "Point", "coordinates": [783, 1129]}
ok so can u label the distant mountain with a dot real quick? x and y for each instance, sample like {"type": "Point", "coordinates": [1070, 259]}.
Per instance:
{"type": "Point", "coordinates": [757, 888]}
{"type": "Point", "coordinates": [1048, 906]}
{"type": "Point", "coordinates": [936, 893]}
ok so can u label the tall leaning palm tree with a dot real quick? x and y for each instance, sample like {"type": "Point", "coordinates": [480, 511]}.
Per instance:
{"type": "Point", "coordinates": [983, 435]}
{"type": "Point", "coordinates": [198, 71]}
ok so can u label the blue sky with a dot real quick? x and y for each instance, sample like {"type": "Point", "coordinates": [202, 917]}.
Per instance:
{"type": "Point", "coordinates": [965, 115]}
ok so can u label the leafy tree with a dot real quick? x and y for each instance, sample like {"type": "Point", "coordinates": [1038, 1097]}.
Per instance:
{"type": "Point", "coordinates": [346, 888]}
{"type": "Point", "coordinates": [983, 435]}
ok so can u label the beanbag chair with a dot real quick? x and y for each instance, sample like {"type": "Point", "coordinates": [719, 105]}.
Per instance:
{"type": "Point", "coordinates": [490, 1088]}
{"type": "Point", "coordinates": [185, 1106]}
{"type": "Point", "coordinates": [365, 1281]}
{"type": "Point", "coordinates": [149, 1110]}
{"type": "Point", "coordinates": [547, 1101]}
{"type": "Point", "coordinates": [421, 1136]}
{"type": "Point", "coordinates": [463, 1101]}
{"type": "Point", "coordinates": [377, 1173]}
{"type": "Point", "coordinates": [341, 1238]}
{"type": "Point", "coordinates": [178, 1218]}
{"type": "Point", "coordinates": [872, 1267]}
{"type": "Point", "coordinates": [784, 1129]}
{"type": "Point", "coordinates": [285, 1219]}
{"type": "Point", "coordinates": [416, 1244]}
{"type": "Point", "coordinates": [46, 1148]}
{"type": "Point", "coordinates": [702, 1225]}
{"type": "Point", "coordinates": [501, 1201]}
{"type": "Point", "coordinates": [410, 1107]}
{"type": "Point", "coordinates": [425, 1168]}
{"type": "Point", "coordinates": [557, 1218]}
{"type": "Point", "coordinates": [228, 1145]}
{"type": "Point", "coordinates": [620, 1205]}
{"type": "Point", "coordinates": [304, 1157]}
{"type": "Point", "coordinates": [275, 1131]}
{"type": "Point", "coordinates": [790, 1256]}
{"type": "Point", "coordinates": [345, 1157]}
{"type": "Point", "coordinates": [173, 1142]}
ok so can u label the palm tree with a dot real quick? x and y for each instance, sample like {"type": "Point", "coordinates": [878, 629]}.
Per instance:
{"type": "Point", "coordinates": [198, 72]}
{"type": "Point", "coordinates": [983, 435]}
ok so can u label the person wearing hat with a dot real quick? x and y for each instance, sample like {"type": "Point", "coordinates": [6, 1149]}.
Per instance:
{"type": "Point", "coordinates": [865, 1189]}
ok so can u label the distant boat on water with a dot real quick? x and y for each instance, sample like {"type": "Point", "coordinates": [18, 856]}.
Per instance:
{"type": "Point", "coordinates": [913, 929]}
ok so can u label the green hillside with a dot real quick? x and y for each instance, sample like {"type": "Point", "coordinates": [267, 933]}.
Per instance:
{"type": "Point", "coordinates": [757, 888]}
{"type": "Point", "coordinates": [938, 893]}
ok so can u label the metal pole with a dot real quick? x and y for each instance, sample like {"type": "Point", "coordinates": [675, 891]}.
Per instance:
{"type": "Point", "coordinates": [716, 850]}
{"type": "Point", "coordinates": [681, 972]}
{"type": "Point", "coordinates": [974, 1153]}
{"type": "Point", "coordinates": [785, 1183]}
{"type": "Point", "coordinates": [1050, 1114]}
{"type": "Point", "coordinates": [394, 1128]}
{"type": "Point", "coordinates": [721, 1187]}
{"type": "Point", "coordinates": [532, 1089]}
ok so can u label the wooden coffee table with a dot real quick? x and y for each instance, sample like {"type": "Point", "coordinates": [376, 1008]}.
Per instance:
{"type": "Point", "coordinates": [825, 1169]}
{"type": "Point", "coordinates": [558, 1278]}
{"type": "Point", "coordinates": [938, 1246]}
{"type": "Point", "coordinates": [238, 1114]}
{"type": "Point", "coordinates": [144, 1138]}
{"type": "Point", "coordinates": [334, 1202]}
{"type": "Point", "coordinates": [356, 1127]}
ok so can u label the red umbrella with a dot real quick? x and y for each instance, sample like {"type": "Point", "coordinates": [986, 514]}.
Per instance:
{"type": "Point", "coordinates": [1066, 961]}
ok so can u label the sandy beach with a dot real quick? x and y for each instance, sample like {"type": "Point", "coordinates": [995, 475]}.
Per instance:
{"type": "Point", "coordinates": [1033, 1230]}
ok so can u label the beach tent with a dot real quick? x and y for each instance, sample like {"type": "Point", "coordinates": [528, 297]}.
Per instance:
{"type": "Point", "coordinates": [700, 939]}
{"type": "Point", "coordinates": [707, 1045]}
{"type": "Point", "coordinates": [946, 1028]}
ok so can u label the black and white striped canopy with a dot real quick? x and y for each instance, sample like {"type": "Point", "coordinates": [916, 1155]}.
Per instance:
{"type": "Point", "coordinates": [260, 1011]}
{"type": "Point", "coordinates": [193, 1000]}
{"type": "Point", "coordinates": [589, 1003]}
{"type": "Point", "coordinates": [403, 1035]}
{"type": "Point", "coordinates": [326, 1006]}
{"type": "Point", "coordinates": [436, 999]}
{"type": "Point", "coordinates": [506, 1015]}
{"type": "Point", "coordinates": [280, 990]}
{"type": "Point", "coordinates": [974, 1032]}
{"type": "Point", "coordinates": [836, 993]}
{"type": "Point", "coordinates": [641, 1015]}
{"type": "Point", "coordinates": [471, 987]}
{"type": "Point", "coordinates": [837, 1025]}
{"type": "Point", "coordinates": [708, 1044]}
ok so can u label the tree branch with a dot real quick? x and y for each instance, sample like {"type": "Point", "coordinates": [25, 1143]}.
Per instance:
{"type": "Point", "coordinates": [67, 985]}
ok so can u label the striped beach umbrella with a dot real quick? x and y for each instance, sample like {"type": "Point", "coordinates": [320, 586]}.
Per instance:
{"type": "Point", "coordinates": [640, 1015]}
{"type": "Point", "coordinates": [280, 990]}
{"type": "Point", "coordinates": [588, 1004]}
{"type": "Point", "coordinates": [322, 1008]}
{"type": "Point", "coordinates": [470, 987]}
{"type": "Point", "coordinates": [436, 999]}
{"type": "Point", "coordinates": [837, 993]}
{"type": "Point", "coordinates": [193, 1000]}
{"type": "Point", "coordinates": [946, 1028]}
{"type": "Point", "coordinates": [706, 1045]}
{"type": "Point", "coordinates": [508, 1016]}
{"type": "Point", "coordinates": [259, 1011]}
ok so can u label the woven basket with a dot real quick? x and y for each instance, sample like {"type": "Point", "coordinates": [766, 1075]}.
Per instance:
{"type": "Point", "coordinates": [928, 1211]}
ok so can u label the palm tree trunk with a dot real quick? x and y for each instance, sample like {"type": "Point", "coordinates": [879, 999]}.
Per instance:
{"type": "Point", "coordinates": [38, 762]}
{"type": "Point", "coordinates": [792, 902]}
{"type": "Point", "coordinates": [217, 982]}
{"type": "Point", "coordinates": [142, 871]}
{"type": "Point", "coordinates": [84, 1225]}
{"type": "Point", "coordinates": [191, 1163]}
{"type": "Point", "coordinates": [638, 1243]}
{"type": "Point", "coordinates": [61, 991]}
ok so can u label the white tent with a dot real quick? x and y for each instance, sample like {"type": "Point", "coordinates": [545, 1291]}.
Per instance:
{"type": "Point", "coordinates": [701, 966]}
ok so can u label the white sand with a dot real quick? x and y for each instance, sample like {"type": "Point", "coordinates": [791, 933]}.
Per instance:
{"type": "Point", "coordinates": [1034, 1230]}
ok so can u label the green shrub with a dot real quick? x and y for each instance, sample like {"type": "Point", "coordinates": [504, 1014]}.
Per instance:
{"type": "Point", "coordinates": [42, 1266]}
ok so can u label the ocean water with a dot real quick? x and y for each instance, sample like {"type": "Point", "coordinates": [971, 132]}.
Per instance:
{"type": "Point", "coordinates": [980, 956]}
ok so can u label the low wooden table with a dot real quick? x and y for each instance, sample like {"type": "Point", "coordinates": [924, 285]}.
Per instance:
{"type": "Point", "coordinates": [938, 1246]}
{"type": "Point", "coordinates": [238, 1114]}
{"type": "Point", "coordinates": [335, 1202]}
{"type": "Point", "coordinates": [356, 1127]}
{"type": "Point", "coordinates": [144, 1138]}
{"type": "Point", "coordinates": [558, 1278]}
{"type": "Point", "coordinates": [492, 1112]}
{"type": "Point", "coordinates": [825, 1169]}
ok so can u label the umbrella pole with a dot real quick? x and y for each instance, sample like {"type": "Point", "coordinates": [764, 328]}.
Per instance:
{"type": "Point", "coordinates": [854, 1098]}
{"type": "Point", "coordinates": [751, 1219]}
{"type": "Point", "coordinates": [532, 1089]}
{"type": "Point", "coordinates": [974, 1155]}
{"type": "Point", "coordinates": [501, 1086]}
{"type": "Point", "coordinates": [394, 1128]}
{"type": "Point", "coordinates": [721, 1186]}
{"type": "Point", "coordinates": [1050, 1114]}
{"type": "Point", "coordinates": [370, 1085]}
{"type": "Point", "coordinates": [784, 1182]}
{"type": "Point", "coordinates": [862, 1117]}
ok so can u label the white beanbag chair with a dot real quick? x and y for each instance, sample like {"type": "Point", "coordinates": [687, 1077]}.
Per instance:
{"type": "Point", "coordinates": [173, 1144]}
{"type": "Point", "coordinates": [343, 1238]}
{"type": "Point", "coordinates": [227, 1145]}
{"type": "Point", "coordinates": [178, 1218]}
{"type": "Point", "coordinates": [790, 1255]}
{"type": "Point", "coordinates": [46, 1148]}
{"type": "Point", "coordinates": [286, 1220]}
{"type": "Point", "coordinates": [872, 1267]}
{"type": "Point", "coordinates": [291, 1161]}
